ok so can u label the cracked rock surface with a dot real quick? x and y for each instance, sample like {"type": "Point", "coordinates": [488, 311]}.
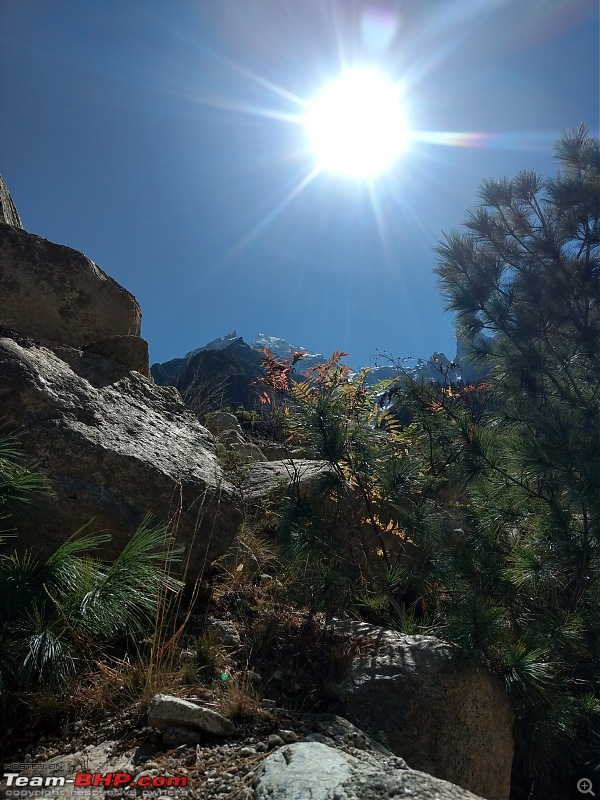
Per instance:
{"type": "Point", "coordinates": [315, 771]}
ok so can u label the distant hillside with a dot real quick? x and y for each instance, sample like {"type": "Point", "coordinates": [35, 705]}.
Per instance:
{"type": "Point", "coordinates": [224, 372]}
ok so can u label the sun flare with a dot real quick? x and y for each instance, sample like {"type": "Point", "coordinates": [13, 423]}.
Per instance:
{"type": "Point", "coordinates": [356, 126]}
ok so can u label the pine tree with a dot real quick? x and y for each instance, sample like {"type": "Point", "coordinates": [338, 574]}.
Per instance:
{"type": "Point", "coordinates": [527, 274]}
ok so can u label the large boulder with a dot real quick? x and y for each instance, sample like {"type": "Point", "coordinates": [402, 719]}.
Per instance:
{"type": "Point", "coordinates": [129, 351]}
{"type": "Point", "coordinates": [450, 720]}
{"type": "Point", "coordinates": [114, 446]}
{"type": "Point", "coordinates": [53, 293]}
{"type": "Point", "coordinates": [315, 770]}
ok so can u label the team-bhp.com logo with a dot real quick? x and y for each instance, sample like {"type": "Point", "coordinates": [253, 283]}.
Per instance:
{"type": "Point", "coordinates": [89, 779]}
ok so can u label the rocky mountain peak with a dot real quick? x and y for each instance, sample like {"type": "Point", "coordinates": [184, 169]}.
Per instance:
{"type": "Point", "coordinates": [8, 211]}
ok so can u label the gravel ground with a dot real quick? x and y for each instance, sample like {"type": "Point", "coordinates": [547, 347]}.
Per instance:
{"type": "Point", "coordinates": [223, 768]}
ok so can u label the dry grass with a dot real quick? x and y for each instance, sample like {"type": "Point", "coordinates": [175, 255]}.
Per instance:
{"type": "Point", "coordinates": [251, 555]}
{"type": "Point", "coordinates": [301, 660]}
{"type": "Point", "coordinates": [210, 655]}
{"type": "Point", "coordinates": [240, 699]}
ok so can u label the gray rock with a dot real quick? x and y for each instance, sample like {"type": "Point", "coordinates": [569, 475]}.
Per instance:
{"type": "Point", "coordinates": [228, 432]}
{"type": "Point", "coordinates": [114, 446]}
{"type": "Point", "coordinates": [274, 741]}
{"type": "Point", "coordinates": [314, 770]}
{"type": "Point", "coordinates": [222, 421]}
{"type": "Point", "coordinates": [270, 476]}
{"type": "Point", "coordinates": [249, 450]}
{"type": "Point", "coordinates": [147, 773]}
{"type": "Point", "coordinates": [357, 740]}
{"type": "Point", "coordinates": [131, 351]}
{"type": "Point", "coordinates": [166, 711]}
{"type": "Point", "coordinates": [229, 437]}
{"type": "Point", "coordinates": [299, 771]}
{"type": "Point", "coordinates": [103, 757]}
{"type": "Point", "coordinates": [288, 736]}
{"type": "Point", "coordinates": [8, 211]}
{"type": "Point", "coordinates": [51, 292]}
{"type": "Point", "coordinates": [339, 732]}
{"type": "Point", "coordinates": [224, 632]}
{"type": "Point", "coordinates": [453, 722]}
{"type": "Point", "coordinates": [318, 737]}
{"type": "Point", "coordinates": [177, 735]}
{"type": "Point", "coordinates": [275, 452]}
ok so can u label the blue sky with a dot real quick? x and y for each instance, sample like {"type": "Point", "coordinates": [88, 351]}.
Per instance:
{"type": "Point", "coordinates": [163, 140]}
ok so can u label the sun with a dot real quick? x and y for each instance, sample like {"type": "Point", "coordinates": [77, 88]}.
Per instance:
{"type": "Point", "coordinates": [356, 126]}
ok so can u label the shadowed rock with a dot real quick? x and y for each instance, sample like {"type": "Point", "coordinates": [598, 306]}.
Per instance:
{"type": "Point", "coordinates": [53, 293]}
{"type": "Point", "coordinates": [166, 711]}
{"type": "Point", "coordinates": [452, 721]}
{"type": "Point", "coordinates": [131, 351]}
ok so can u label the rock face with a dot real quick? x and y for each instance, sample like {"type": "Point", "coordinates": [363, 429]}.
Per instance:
{"type": "Point", "coordinates": [130, 351]}
{"type": "Point", "coordinates": [53, 293]}
{"type": "Point", "coordinates": [74, 376]}
{"type": "Point", "coordinates": [114, 447]}
{"type": "Point", "coordinates": [8, 212]}
{"type": "Point", "coordinates": [452, 722]}
{"type": "Point", "coordinates": [314, 770]}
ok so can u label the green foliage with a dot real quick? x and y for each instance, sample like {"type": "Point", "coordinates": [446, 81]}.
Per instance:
{"type": "Point", "coordinates": [234, 464]}
{"type": "Point", "coordinates": [346, 534]}
{"type": "Point", "coordinates": [490, 492]}
{"type": "Point", "coordinates": [18, 479]}
{"type": "Point", "coordinates": [247, 419]}
{"type": "Point", "coordinates": [521, 455]}
{"type": "Point", "coordinates": [54, 613]}
{"type": "Point", "coordinates": [58, 612]}
{"type": "Point", "coordinates": [208, 654]}
{"type": "Point", "coordinates": [479, 517]}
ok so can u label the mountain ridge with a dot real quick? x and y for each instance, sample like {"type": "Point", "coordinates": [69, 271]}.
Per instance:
{"type": "Point", "coordinates": [233, 366]}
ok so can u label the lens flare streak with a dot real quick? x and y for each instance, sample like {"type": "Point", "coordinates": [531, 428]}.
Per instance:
{"type": "Point", "coordinates": [264, 223]}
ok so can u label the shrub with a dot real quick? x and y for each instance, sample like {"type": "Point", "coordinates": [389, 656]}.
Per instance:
{"type": "Point", "coordinates": [58, 612]}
